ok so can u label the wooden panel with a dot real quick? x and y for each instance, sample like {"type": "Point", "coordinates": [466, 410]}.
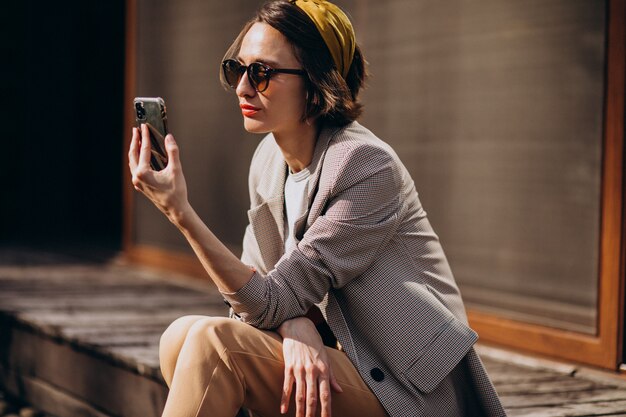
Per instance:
{"type": "Point", "coordinates": [496, 108]}
{"type": "Point", "coordinates": [542, 340]}
{"type": "Point", "coordinates": [613, 266]}
{"type": "Point", "coordinates": [183, 263]}
{"type": "Point", "coordinates": [605, 348]}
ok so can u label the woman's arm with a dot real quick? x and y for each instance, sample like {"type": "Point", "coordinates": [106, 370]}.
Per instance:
{"type": "Point", "coordinates": [226, 270]}
{"type": "Point", "coordinates": [167, 189]}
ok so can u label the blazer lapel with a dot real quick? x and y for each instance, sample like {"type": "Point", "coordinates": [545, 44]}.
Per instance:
{"type": "Point", "coordinates": [325, 136]}
{"type": "Point", "coordinates": [267, 219]}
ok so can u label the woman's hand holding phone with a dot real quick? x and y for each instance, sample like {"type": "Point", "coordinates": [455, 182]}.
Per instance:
{"type": "Point", "coordinates": [167, 188]}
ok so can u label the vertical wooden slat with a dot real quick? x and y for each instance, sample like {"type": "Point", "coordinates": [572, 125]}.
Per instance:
{"type": "Point", "coordinates": [610, 318]}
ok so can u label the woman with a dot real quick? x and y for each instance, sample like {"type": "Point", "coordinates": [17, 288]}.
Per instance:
{"type": "Point", "coordinates": [335, 224]}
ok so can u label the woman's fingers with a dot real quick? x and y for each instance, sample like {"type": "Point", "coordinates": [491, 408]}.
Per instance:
{"type": "Point", "coordinates": [300, 392]}
{"type": "Point", "coordinates": [143, 176]}
{"type": "Point", "coordinates": [325, 397]}
{"type": "Point", "coordinates": [133, 159]}
{"type": "Point", "coordinates": [144, 154]}
{"type": "Point", "coordinates": [287, 387]}
{"type": "Point", "coordinates": [133, 153]}
{"type": "Point", "coordinates": [171, 148]}
{"type": "Point", "coordinates": [311, 391]}
{"type": "Point", "coordinates": [307, 381]}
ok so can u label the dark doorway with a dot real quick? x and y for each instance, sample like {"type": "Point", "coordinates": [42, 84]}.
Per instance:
{"type": "Point", "coordinates": [62, 95]}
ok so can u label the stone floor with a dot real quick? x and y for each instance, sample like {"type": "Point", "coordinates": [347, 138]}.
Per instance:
{"type": "Point", "coordinates": [79, 337]}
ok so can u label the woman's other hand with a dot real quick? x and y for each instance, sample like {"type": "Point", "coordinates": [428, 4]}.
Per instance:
{"type": "Point", "coordinates": [167, 188]}
{"type": "Point", "coordinates": [307, 365]}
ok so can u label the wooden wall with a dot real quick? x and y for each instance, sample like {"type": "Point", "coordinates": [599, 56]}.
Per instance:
{"type": "Point", "coordinates": [496, 108]}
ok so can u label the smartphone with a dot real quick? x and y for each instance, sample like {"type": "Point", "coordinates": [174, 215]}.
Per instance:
{"type": "Point", "coordinates": [152, 112]}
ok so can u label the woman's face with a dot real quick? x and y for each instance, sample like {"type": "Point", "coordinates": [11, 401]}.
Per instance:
{"type": "Point", "coordinates": [281, 105]}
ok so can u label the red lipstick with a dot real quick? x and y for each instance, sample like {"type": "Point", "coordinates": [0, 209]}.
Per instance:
{"type": "Point", "coordinates": [248, 110]}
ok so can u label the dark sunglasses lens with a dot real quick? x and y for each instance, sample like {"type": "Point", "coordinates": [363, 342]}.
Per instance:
{"type": "Point", "coordinates": [259, 76]}
{"type": "Point", "coordinates": [232, 72]}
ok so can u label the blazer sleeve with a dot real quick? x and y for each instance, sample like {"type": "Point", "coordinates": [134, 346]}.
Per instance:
{"type": "Point", "coordinates": [360, 219]}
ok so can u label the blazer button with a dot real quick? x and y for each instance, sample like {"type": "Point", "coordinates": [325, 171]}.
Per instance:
{"type": "Point", "coordinates": [377, 374]}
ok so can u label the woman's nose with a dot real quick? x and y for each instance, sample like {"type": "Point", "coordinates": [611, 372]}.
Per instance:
{"type": "Point", "coordinates": [244, 88]}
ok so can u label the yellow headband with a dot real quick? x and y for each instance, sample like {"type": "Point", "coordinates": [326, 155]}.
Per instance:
{"type": "Point", "coordinates": [335, 28]}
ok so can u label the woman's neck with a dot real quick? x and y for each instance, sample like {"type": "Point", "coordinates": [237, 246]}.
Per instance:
{"type": "Point", "coordinates": [298, 145]}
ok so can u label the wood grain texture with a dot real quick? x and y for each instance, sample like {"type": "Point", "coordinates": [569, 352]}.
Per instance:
{"type": "Point", "coordinates": [82, 339]}
{"type": "Point", "coordinates": [613, 249]}
{"type": "Point", "coordinates": [72, 353]}
{"type": "Point", "coordinates": [48, 397]}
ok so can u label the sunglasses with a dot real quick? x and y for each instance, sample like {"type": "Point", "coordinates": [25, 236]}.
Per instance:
{"type": "Point", "coordinates": [258, 74]}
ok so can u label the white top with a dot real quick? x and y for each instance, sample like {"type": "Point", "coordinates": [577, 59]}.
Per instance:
{"type": "Point", "coordinates": [296, 196]}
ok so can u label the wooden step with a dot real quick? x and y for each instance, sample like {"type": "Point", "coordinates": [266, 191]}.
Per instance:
{"type": "Point", "coordinates": [80, 339]}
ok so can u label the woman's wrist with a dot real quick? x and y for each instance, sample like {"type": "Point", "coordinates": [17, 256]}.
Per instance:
{"type": "Point", "coordinates": [182, 217]}
{"type": "Point", "coordinates": [290, 327]}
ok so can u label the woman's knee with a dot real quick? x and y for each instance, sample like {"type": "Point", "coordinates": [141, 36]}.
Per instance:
{"type": "Point", "coordinates": [176, 333]}
{"type": "Point", "coordinates": [172, 341]}
{"type": "Point", "coordinates": [214, 332]}
{"type": "Point", "coordinates": [194, 329]}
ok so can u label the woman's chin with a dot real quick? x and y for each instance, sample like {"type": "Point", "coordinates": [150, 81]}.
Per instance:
{"type": "Point", "coordinates": [254, 126]}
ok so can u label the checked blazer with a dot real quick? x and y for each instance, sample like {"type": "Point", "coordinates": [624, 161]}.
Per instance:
{"type": "Point", "coordinates": [368, 257]}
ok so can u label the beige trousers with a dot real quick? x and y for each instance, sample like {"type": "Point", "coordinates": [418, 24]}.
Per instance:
{"type": "Point", "coordinates": [216, 365]}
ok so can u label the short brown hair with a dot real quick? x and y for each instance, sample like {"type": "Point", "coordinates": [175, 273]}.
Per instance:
{"type": "Point", "coordinates": [329, 97]}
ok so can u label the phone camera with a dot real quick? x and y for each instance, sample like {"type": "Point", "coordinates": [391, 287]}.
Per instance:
{"type": "Point", "coordinates": [141, 112]}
